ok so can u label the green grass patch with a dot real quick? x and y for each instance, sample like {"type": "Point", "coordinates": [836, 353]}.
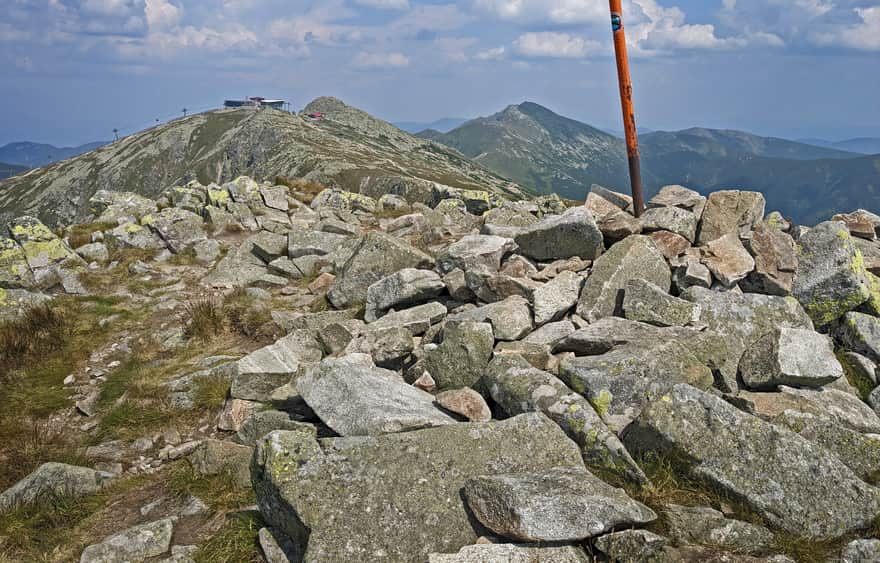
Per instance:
{"type": "Point", "coordinates": [235, 542]}
{"type": "Point", "coordinates": [38, 531]}
{"type": "Point", "coordinates": [211, 392]}
{"type": "Point", "coordinates": [79, 235]}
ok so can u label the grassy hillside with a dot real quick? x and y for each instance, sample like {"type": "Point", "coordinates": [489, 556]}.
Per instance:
{"type": "Point", "coordinates": [551, 153]}
{"type": "Point", "coordinates": [347, 148]}
{"type": "Point", "coordinates": [538, 148]}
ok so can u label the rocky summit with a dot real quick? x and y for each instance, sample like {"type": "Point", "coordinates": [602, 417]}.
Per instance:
{"type": "Point", "coordinates": [235, 369]}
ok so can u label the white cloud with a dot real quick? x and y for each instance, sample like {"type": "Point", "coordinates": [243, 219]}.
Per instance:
{"type": "Point", "coordinates": [491, 54]}
{"type": "Point", "coordinates": [381, 60]}
{"type": "Point", "coordinates": [161, 14]}
{"type": "Point", "coordinates": [547, 11]}
{"type": "Point", "coordinates": [553, 44]}
{"type": "Point", "coordinates": [863, 36]}
{"type": "Point", "coordinates": [384, 4]}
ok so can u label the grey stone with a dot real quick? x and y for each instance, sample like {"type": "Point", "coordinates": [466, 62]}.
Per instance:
{"type": "Point", "coordinates": [240, 267]}
{"type": "Point", "coordinates": [620, 383]}
{"type": "Point", "coordinates": [635, 257]}
{"type": "Point", "coordinates": [180, 229]}
{"type": "Point", "coordinates": [727, 259]}
{"type": "Point", "coordinates": [861, 551]}
{"type": "Point", "coordinates": [511, 319]}
{"type": "Point", "coordinates": [269, 246]}
{"type": "Point", "coordinates": [359, 499]}
{"type": "Point", "coordinates": [355, 398]}
{"type": "Point", "coordinates": [51, 480]}
{"type": "Point", "coordinates": [457, 286]}
{"type": "Point", "coordinates": [574, 233]}
{"type": "Point", "coordinates": [518, 388]}
{"type": "Point", "coordinates": [207, 251]}
{"type": "Point", "coordinates": [376, 256]}
{"type": "Point", "coordinates": [860, 333]}
{"type": "Point", "coordinates": [557, 505]}
{"type": "Point", "coordinates": [679, 196]}
{"type": "Point", "coordinates": [790, 356]}
{"type": "Point", "coordinates": [257, 374]}
{"type": "Point", "coordinates": [338, 227]}
{"type": "Point", "coordinates": [307, 243]}
{"type": "Point", "coordinates": [389, 347]}
{"type": "Point", "coordinates": [742, 319]}
{"type": "Point", "coordinates": [460, 359]}
{"type": "Point", "coordinates": [618, 225]}
{"type": "Point", "coordinates": [831, 277]}
{"type": "Point", "coordinates": [555, 298]}
{"type": "Point", "coordinates": [94, 252]}
{"type": "Point", "coordinates": [702, 525]}
{"type": "Point", "coordinates": [760, 464]}
{"type": "Point", "coordinates": [116, 207]}
{"type": "Point", "coordinates": [134, 544]}
{"type": "Point", "coordinates": [647, 303]}
{"type": "Point", "coordinates": [403, 288]}
{"type": "Point", "coordinates": [692, 273]}
{"type": "Point", "coordinates": [841, 407]}
{"type": "Point", "coordinates": [512, 553]}
{"type": "Point", "coordinates": [276, 547]}
{"type": "Point", "coordinates": [14, 270]}
{"type": "Point", "coordinates": [417, 319]}
{"type": "Point", "coordinates": [260, 423]}
{"type": "Point", "coordinates": [475, 252]}
{"type": "Point", "coordinates": [860, 452]}
{"type": "Point", "coordinates": [776, 261]}
{"type": "Point", "coordinates": [631, 546]}
{"type": "Point", "coordinates": [861, 371]}
{"type": "Point", "coordinates": [551, 333]}
{"type": "Point", "coordinates": [730, 211]}
{"type": "Point", "coordinates": [465, 402]}
{"type": "Point", "coordinates": [218, 457]}
{"type": "Point", "coordinates": [275, 197]}
{"type": "Point", "coordinates": [673, 219]}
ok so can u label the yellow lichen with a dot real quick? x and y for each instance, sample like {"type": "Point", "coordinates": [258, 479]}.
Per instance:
{"type": "Point", "coordinates": [602, 402]}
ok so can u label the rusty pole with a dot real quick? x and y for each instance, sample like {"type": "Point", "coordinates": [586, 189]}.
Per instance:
{"type": "Point", "coordinates": [626, 100]}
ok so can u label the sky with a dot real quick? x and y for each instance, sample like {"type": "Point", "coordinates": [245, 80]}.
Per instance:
{"type": "Point", "coordinates": [74, 70]}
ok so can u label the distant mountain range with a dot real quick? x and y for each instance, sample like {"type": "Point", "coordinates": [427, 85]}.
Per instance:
{"type": "Point", "coordinates": [347, 148]}
{"type": "Point", "coordinates": [7, 170]}
{"type": "Point", "coordinates": [523, 148]}
{"type": "Point", "coordinates": [863, 145]}
{"type": "Point", "coordinates": [551, 153]}
{"type": "Point", "coordinates": [34, 155]}
{"type": "Point", "coordinates": [442, 125]}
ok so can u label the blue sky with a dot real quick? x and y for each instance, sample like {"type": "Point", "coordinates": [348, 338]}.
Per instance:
{"type": "Point", "coordinates": [76, 69]}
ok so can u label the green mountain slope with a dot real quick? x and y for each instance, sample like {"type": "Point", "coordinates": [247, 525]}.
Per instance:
{"type": "Point", "coordinates": [548, 152]}
{"type": "Point", "coordinates": [347, 148]}
{"type": "Point", "coordinates": [541, 149]}
{"type": "Point", "coordinates": [727, 143]}
{"type": "Point", "coordinates": [7, 170]}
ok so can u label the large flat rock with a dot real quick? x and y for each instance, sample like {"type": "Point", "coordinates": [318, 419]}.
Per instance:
{"type": "Point", "coordinates": [793, 484]}
{"type": "Point", "coordinates": [395, 497]}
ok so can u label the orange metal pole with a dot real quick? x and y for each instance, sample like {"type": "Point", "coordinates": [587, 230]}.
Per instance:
{"type": "Point", "coordinates": [626, 100]}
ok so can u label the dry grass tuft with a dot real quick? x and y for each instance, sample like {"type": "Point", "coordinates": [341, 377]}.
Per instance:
{"type": "Point", "coordinates": [206, 318]}
{"type": "Point", "coordinates": [40, 330]}
{"type": "Point", "coordinates": [304, 190]}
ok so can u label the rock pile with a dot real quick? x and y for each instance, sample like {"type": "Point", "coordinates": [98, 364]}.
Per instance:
{"type": "Point", "coordinates": [472, 380]}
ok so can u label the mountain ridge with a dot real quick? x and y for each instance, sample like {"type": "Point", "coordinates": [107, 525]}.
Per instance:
{"type": "Point", "coordinates": [346, 148]}
{"type": "Point", "coordinates": [32, 155]}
